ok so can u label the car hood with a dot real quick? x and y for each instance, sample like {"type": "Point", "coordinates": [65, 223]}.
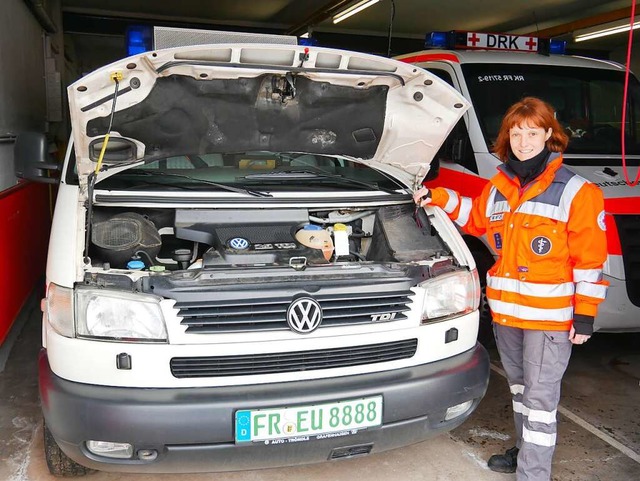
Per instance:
{"type": "Point", "coordinates": [231, 98]}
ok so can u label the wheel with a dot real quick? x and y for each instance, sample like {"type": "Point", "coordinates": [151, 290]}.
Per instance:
{"type": "Point", "coordinates": [60, 464]}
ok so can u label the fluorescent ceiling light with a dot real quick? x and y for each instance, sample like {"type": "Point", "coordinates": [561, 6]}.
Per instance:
{"type": "Point", "coordinates": [604, 30]}
{"type": "Point", "coordinates": [353, 9]}
{"type": "Point", "coordinates": [305, 35]}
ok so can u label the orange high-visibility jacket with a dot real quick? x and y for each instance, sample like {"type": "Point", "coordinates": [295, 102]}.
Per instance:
{"type": "Point", "coordinates": [550, 240]}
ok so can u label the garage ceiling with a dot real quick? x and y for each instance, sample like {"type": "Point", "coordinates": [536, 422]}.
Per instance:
{"type": "Point", "coordinates": [366, 31]}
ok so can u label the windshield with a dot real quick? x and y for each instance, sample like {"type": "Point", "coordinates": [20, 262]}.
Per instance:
{"type": "Point", "coordinates": [588, 102]}
{"type": "Point", "coordinates": [251, 173]}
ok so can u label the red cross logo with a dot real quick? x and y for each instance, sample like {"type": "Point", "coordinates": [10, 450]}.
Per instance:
{"type": "Point", "coordinates": [531, 43]}
{"type": "Point", "coordinates": [472, 39]}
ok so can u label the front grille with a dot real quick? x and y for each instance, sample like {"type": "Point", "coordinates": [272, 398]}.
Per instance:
{"type": "Point", "coordinates": [629, 232]}
{"type": "Point", "coordinates": [236, 315]}
{"type": "Point", "coordinates": [251, 364]}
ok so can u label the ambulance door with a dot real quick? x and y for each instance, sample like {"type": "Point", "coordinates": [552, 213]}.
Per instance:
{"type": "Point", "coordinates": [458, 168]}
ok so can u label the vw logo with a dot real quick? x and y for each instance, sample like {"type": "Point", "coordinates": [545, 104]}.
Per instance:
{"type": "Point", "coordinates": [304, 315]}
{"type": "Point", "coordinates": [239, 243]}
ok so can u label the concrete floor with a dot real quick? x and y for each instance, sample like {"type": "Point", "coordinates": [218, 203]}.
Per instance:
{"type": "Point", "coordinates": [599, 430]}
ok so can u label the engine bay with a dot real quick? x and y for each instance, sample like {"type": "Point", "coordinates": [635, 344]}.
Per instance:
{"type": "Point", "coordinates": [176, 239]}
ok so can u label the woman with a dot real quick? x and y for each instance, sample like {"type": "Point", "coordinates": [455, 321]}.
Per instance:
{"type": "Point", "coordinates": [546, 225]}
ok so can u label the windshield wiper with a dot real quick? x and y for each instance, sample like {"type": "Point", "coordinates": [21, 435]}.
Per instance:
{"type": "Point", "coordinates": [239, 190]}
{"type": "Point", "coordinates": [153, 183]}
{"type": "Point", "coordinates": [310, 174]}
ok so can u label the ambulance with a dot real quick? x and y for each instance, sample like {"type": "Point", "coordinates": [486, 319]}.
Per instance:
{"type": "Point", "coordinates": [493, 71]}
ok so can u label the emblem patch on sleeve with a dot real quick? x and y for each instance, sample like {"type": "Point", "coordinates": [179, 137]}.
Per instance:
{"type": "Point", "coordinates": [541, 245]}
{"type": "Point", "coordinates": [601, 222]}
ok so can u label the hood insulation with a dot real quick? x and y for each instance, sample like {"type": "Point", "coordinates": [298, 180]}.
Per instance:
{"type": "Point", "coordinates": [183, 116]}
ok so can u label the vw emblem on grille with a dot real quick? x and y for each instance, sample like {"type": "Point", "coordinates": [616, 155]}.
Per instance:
{"type": "Point", "coordinates": [304, 315]}
{"type": "Point", "coordinates": [239, 243]}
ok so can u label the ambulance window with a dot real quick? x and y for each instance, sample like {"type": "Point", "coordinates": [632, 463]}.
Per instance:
{"type": "Point", "coordinates": [457, 147]}
{"type": "Point", "coordinates": [587, 103]}
{"type": "Point", "coordinates": [442, 75]}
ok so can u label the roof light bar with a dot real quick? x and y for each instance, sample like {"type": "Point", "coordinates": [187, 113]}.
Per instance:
{"type": "Point", "coordinates": [352, 10]}
{"type": "Point", "coordinates": [493, 41]}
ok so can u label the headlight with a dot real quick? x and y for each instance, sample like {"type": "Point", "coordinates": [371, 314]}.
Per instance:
{"type": "Point", "coordinates": [119, 315]}
{"type": "Point", "coordinates": [450, 295]}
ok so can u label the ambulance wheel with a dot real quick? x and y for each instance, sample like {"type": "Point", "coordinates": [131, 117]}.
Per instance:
{"type": "Point", "coordinates": [60, 464]}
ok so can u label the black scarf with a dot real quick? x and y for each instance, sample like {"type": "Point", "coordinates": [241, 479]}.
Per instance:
{"type": "Point", "coordinates": [528, 170]}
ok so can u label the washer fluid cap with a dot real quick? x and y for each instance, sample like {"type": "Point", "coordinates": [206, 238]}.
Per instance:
{"type": "Point", "coordinates": [312, 227]}
{"type": "Point", "coordinates": [135, 265]}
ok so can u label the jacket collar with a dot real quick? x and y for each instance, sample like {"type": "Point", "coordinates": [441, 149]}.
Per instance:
{"type": "Point", "coordinates": [508, 184]}
{"type": "Point", "coordinates": [511, 175]}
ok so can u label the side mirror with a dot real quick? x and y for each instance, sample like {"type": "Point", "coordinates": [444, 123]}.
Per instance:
{"type": "Point", "coordinates": [31, 158]}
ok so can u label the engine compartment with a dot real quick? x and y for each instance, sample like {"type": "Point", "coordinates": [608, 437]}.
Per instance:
{"type": "Point", "coordinates": [177, 239]}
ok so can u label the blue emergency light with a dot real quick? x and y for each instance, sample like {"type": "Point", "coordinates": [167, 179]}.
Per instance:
{"type": "Point", "coordinates": [557, 47]}
{"type": "Point", "coordinates": [139, 39]}
{"type": "Point", "coordinates": [308, 42]}
{"type": "Point", "coordinates": [437, 40]}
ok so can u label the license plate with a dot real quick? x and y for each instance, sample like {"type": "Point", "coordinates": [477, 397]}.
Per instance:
{"type": "Point", "coordinates": [303, 422]}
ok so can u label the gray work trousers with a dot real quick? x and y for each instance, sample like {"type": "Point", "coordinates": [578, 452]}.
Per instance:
{"type": "Point", "coordinates": [534, 362]}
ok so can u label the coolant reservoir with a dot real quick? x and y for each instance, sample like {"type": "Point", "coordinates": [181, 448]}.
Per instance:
{"type": "Point", "coordinates": [316, 237]}
{"type": "Point", "coordinates": [341, 239]}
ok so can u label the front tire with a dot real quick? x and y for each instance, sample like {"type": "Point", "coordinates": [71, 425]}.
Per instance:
{"type": "Point", "coordinates": [60, 464]}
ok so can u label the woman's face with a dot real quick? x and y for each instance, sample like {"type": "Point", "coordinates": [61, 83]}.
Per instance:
{"type": "Point", "coordinates": [527, 141]}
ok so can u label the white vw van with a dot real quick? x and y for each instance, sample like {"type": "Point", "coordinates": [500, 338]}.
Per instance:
{"type": "Point", "coordinates": [237, 275]}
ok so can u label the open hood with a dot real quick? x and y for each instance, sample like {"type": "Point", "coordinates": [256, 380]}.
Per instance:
{"type": "Point", "coordinates": [230, 98]}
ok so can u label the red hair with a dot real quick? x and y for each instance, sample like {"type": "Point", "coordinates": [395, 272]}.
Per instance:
{"type": "Point", "coordinates": [532, 112]}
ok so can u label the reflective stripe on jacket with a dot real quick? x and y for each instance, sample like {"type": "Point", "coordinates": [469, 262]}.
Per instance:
{"type": "Point", "coordinates": [550, 240]}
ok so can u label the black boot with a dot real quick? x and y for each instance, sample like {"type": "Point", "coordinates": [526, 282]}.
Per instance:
{"type": "Point", "coordinates": [504, 463]}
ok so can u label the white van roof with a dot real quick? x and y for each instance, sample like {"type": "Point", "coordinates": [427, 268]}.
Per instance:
{"type": "Point", "coordinates": [487, 56]}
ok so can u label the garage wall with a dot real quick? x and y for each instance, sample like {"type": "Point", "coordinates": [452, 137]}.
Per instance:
{"type": "Point", "coordinates": [22, 87]}
{"type": "Point", "coordinates": [24, 207]}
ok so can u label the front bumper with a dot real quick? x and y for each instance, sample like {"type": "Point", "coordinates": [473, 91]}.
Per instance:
{"type": "Point", "coordinates": [192, 429]}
